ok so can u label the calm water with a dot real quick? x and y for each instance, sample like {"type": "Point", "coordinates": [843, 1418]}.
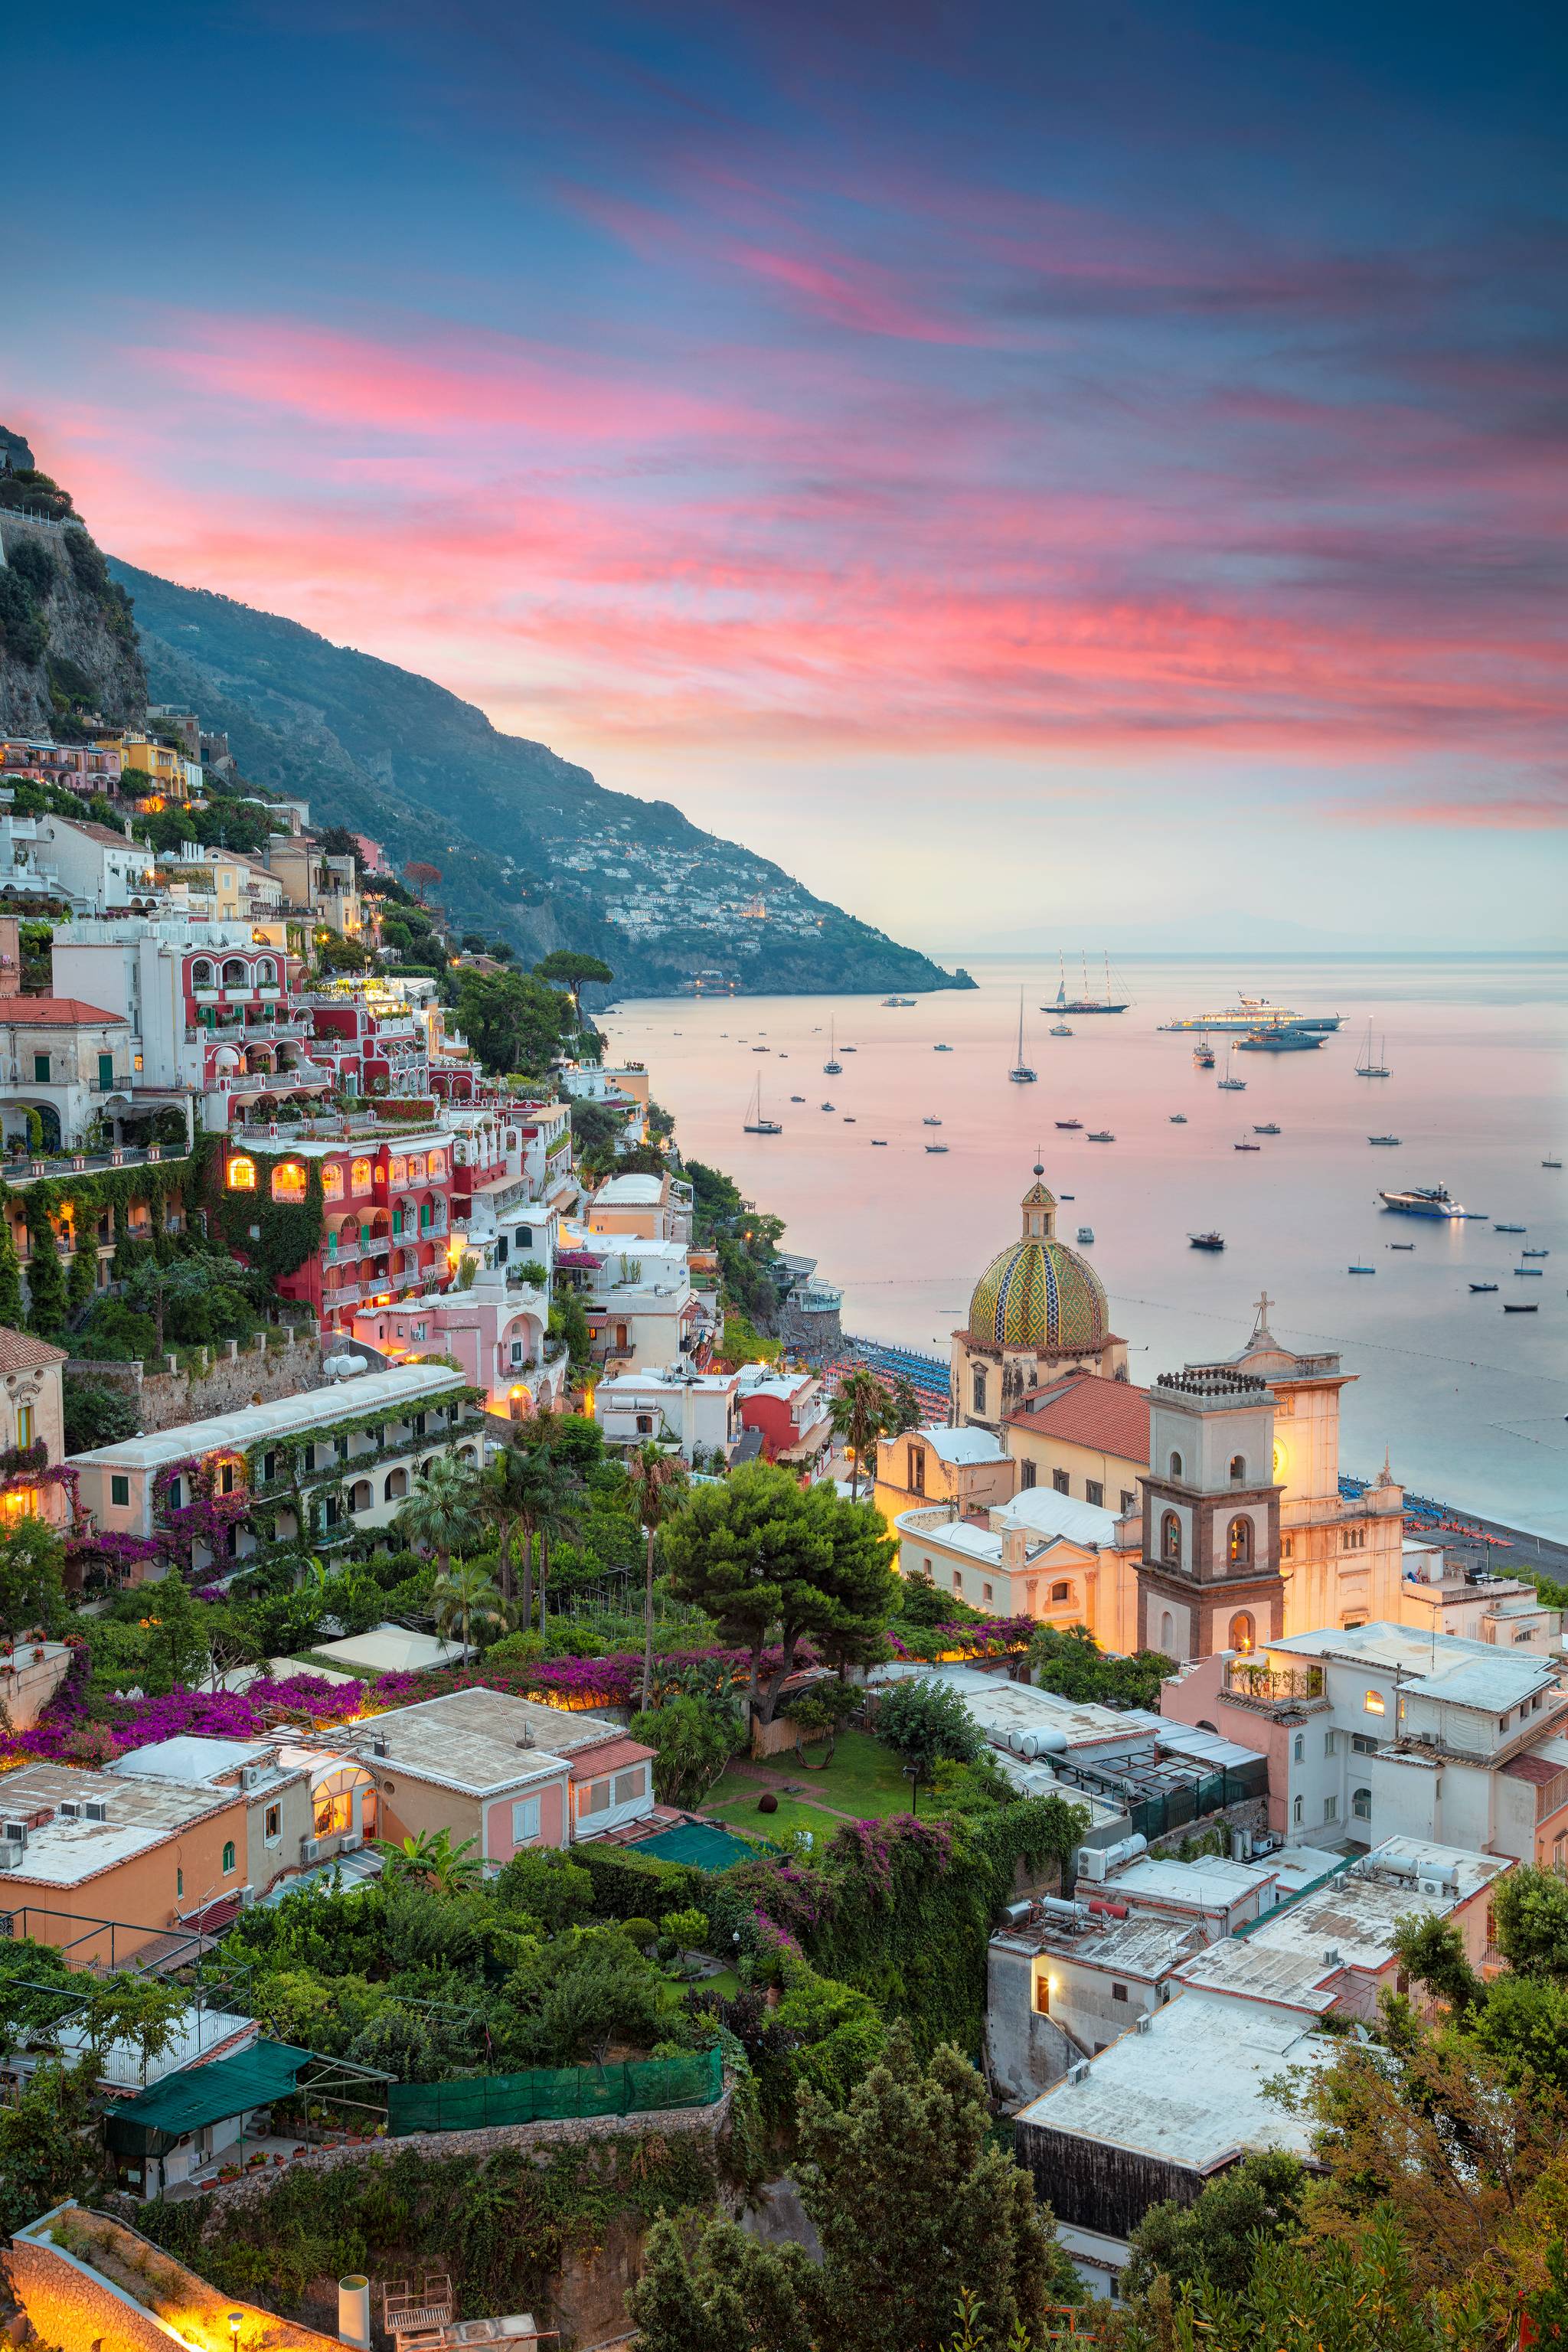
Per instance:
{"type": "Point", "coordinates": [1469, 1401]}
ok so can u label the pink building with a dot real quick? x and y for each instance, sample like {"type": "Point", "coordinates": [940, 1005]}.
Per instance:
{"type": "Point", "coordinates": [789, 1411]}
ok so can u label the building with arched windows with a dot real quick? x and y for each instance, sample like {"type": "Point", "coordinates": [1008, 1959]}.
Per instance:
{"type": "Point", "coordinates": [1038, 1311]}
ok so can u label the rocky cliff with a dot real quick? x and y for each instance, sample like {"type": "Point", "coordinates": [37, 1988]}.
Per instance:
{"type": "Point", "coordinates": [68, 654]}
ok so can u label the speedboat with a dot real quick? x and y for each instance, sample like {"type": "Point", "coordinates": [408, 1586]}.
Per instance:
{"type": "Point", "coordinates": [1483, 1286]}
{"type": "Point", "coordinates": [797, 1098]}
{"type": "Point", "coordinates": [1512, 1229]}
{"type": "Point", "coordinates": [1282, 1041]}
{"type": "Point", "coordinates": [1402, 1246]}
{"type": "Point", "coordinates": [1102, 1136]}
{"type": "Point", "coordinates": [1535, 1270]}
{"type": "Point", "coordinates": [761, 1049]}
{"type": "Point", "coordinates": [1246, 1144]}
{"type": "Point", "coordinates": [931, 1122]}
{"type": "Point", "coordinates": [848, 1119]}
{"type": "Point", "coordinates": [1535, 1252]}
{"type": "Point", "coordinates": [1061, 1029]}
{"type": "Point", "coordinates": [827, 1106]}
{"type": "Point", "coordinates": [1360, 1269]}
{"type": "Point", "coordinates": [942, 1049]}
{"type": "Point", "coordinates": [1178, 1118]}
{"type": "Point", "coordinates": [1206, 1240]}
{"type": "Point", "coordinates": [1425, 1201]}
{"type": "Point", "coordinates": [1551, 1163]}
{"type": "Point", "coordinates": [936, 1147]}
{"type": "Point", "coordinates": [1069, 1126]}
{"type": "Point", "coordinates": [1386, 1141]}
{"type": "Point", "coordinates": [878, 1144]}
{"type": "Point", "coordinates": [1519, 1310]}
{"type": "Point", "coordinates": [1269, 1130]}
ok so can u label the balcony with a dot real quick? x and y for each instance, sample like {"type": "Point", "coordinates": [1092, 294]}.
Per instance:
{"type": "Point", "coordinates": [1272, 1685]}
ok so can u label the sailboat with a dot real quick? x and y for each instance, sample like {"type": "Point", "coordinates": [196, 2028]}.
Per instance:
{"type": "Point", "coordinates": [1108, 1002]}
{"type": "Point", "coordinates": [833, 1068]}
{"type": "Point", "coordinates": [1020, 1073]}
{"type": "Point", "coordinates": [1370, 1065]}
{"type": "Point", "coordinates": [1060, 1026]}
{"type": "Point", "coordinates": [757, 1121]}
{"type": "Point", "coordinates": [1230, 1084]}
{"type": "Point", "coordinates": [1202, 1055]}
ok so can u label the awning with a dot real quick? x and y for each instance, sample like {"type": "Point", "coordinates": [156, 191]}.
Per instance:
{"type": "Point", "coordinates": [183, 2102]}
{"type": "Point", "coordinates": [701, 1845]}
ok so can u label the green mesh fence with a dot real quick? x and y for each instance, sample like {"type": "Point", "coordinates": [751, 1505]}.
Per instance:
{"type": "Point", "coordinates": [547, 2094]}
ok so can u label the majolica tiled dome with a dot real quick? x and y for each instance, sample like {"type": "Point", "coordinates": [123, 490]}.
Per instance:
{"type": "Point", "coordinates": [1037, 1293]}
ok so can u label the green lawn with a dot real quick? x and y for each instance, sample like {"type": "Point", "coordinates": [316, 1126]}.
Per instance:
{"type": "Point", "coordinates": [865, 1780]}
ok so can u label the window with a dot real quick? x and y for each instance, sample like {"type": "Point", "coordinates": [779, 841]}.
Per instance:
{"type": "Point", "coordinates": [269, 1464]}
{"type": "Point", "coordinates": [645, 1424]}
{"type": "Point", "coordinates": [1061, 1592]}
{"type": "Point", "coordinates": [1299, 1747]}
{"type": "Point", "coordinates": [595, 1798]}
{"type": "Point", "coordinates": [1362, 1744]}
{"type": "Point", "coordinates": [105, 1071]}
{"type": "Point", "coordinates": [436, 1163]}
{"type": "Point", "coordinates": [265, 972]}
{"type": "Point", "coordinates": [120, 1492]}
{"type": "Point", "coordinates": [1287, 1546]}
{"type": "Point", "coordinates": [331, 1511]}
{"type": "Point", "coordinates": [225, 1478]}
{"type": "Point", "coordinates": [1374, 1704]}
{"type": "Point", "coordinates": [235, 974]}
{"type": "Point", "coordinates": [179, 1884]}
{"type": "Point", "coordinates": [957, 1581]}
{"type": "Point", "coordinates": [331, 1180]}
{"type": "Point", "coordinates": [1361, 1805]}
{"type": "Point", "coordinates": [359, 1177]}
{"type": "Point", "coordinates": [1331, 1809]}
{"type": "Point", "coordinates": [289, 1181]}
{"type": "Point", "coordinates": [1242, 1633]}
{"type": "Point", "coordinates": [1118, 1993]}
{"type": "Point", "coordinates": [1238, 1469]}
{"type": "Point", "coordinates": [979, 1378]}
{"type": "Point", "coordinates": [916, 1481]}
{"type": "Point", "coordinates": [1026, 1474]}
{"type": "Point", "coordinates": [40, 1069]}
{"type": "Point", "coordinates": [1353, 1539]}
{"type": "Point", "coordinates": [985, 1592]}
{"type": "Point", "coordinates": [631, 1785]}
{"type": "Point", "coordinates": [1175, 1466]}
{"type": "Point", "coordinates": [417, 1168]}
{"type": "Point", "coordinates": [1094, 1491]}
{"type": "Point", "coordinates": [341, 1448]}
{"type": "Point", "coordinates": [201, 975]}
{"type": "Point", "coordinates": [399, 1170]}
{"type": "Point", "coordinates": [1297, 1814]}
{"type": "Point", "coordinates": [525, 1820]}
{"type": "Point", "coordinates": [227, 1856]}
{"type": "Point", "coordinates": [1129, 1501]}
{"type": "Point", "coordinates": [1168, 1633]}
{"type": "Point", "coordinates": [241, 1175]}
{"type": "Point", "coordinates": [1170, 1538]}
{"type": "Point", "coordinates": [1331, 1743]}
{"type": "Point", "coordinates": [1060, 1481]}
{"type": "Point", "coordinates": [176, 1494]}
{"type": "Point", "coordinates": [272, 1824]}
{"type": "Point", "coordinates": [24, 1425]}
{"type": "Point", "coordinates": [1238, 1543]}
{"type": "Point", "coordinates": [425, 1216]}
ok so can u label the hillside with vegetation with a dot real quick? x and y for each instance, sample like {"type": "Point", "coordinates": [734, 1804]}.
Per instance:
{"type": "Point", "coordinates": [68, 654]}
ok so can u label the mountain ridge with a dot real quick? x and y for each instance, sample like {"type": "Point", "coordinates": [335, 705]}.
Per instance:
{"type": "Point", "coordinates": [532, 846]}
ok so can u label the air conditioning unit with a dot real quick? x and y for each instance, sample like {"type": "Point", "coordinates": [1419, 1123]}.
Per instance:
{"type": "Point", "coordinates": [1091, 1863]}
{"type": "Point", "coordinates": [1445, 1882]}
{"type": "Point", "coordinates": [13, 1833]}
{"type": "Point", "coordinates": [309, 1849]}
{"type": "Point", "coordinates": [95, 1810]}
{"type": "Point", "coordinates": [252, 1775]}
{"type": "Point", "coordinates": [1078, 2073]}
{"type": "Point", "coordinates": [353, 1843]}
{"type": "Point", "coordinates": [1146, 2023]}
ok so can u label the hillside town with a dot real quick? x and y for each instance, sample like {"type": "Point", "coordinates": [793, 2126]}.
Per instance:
{"type": "Point", "coordinates": [495, 1684]}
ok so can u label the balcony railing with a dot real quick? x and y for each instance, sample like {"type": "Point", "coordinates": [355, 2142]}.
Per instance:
{"type": "Point", "coordinates": [1274, 1686]}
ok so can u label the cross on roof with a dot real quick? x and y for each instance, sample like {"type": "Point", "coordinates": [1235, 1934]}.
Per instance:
{"type": "Point", "coordinates": [1264, 1303]}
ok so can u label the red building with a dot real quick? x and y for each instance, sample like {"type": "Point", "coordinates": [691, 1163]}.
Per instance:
{"type": "Point", "coordinates": [388, 1225]}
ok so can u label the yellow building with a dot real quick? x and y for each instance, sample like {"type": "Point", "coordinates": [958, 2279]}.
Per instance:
{"type": "Point", "coordinates": [175, 778]}
{"type": "Point", "coordinates": [1085, 1436]}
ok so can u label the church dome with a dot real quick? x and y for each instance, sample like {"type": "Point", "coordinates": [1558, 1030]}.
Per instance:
{"type": "Point", "coordinates": [1037, 1293]}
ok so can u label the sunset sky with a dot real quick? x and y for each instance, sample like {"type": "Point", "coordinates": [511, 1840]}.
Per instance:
{"type": "Point", "coordinates": [1031, 468]}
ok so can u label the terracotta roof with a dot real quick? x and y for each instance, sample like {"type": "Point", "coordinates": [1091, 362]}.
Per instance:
{"type": "Point", "coordinates": [608, 1756]}
{"type": "Point", "coordinates": [52, 1013]}
{"type": "Point", "coordinates": [1112, 1416]}
{"type": "Point", "coordinates": [1534, 1767]}
{"type": "Point", "coordinates": [20, 1353]}
{"type": "Point", "coordinates": [106, 832]}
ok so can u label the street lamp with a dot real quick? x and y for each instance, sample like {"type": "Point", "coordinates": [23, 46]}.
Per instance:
{"type": "Point", "coordinates": [236, 2322]}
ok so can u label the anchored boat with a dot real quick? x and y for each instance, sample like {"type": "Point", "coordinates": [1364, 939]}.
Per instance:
{"type": "Point", "coordinates": [757, 1121]}
{"type": "Point", "coordinates": [1020, 1073]}
{"type": "Point", "coordinates": [1425, 1201]}
{"type": "Point", "coordinates": [1206, 1240]}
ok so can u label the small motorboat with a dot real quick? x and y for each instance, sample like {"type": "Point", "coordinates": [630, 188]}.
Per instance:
{"type": "Point", "coordinates": [1231, 1086]}
{"type": "Point", "coordinates": [878, 1144]}
{"type": "Point", "coordinates": [1086, 1233]}
{"type": "Point", "coordinates": [936, 1147]}
{"type": "Point", "coordinates": [1061, 1029]}
{"type": "Point", "coordinates": [928, 1121]}
{"type": "Point", "coordinates": [1101, 1135]}
{"type": "Point", "coordinates": [1483, 1286]}
{"type": "Point", "coordinates": [1535, 1270]}
{"type": "Point", "coordinates": [849, 1049]}
{"type": "Point", "coordinates": [1069, 1126]}
{"type": "Point", "coordinates": [797, 1098]}
{"type": "Point", "coordinates": [1205, 1240]}
{"type": "Point", "coordinates": [1360, 1269]}
{"type": "Point", "coordinates": [827, 1106]}
{"type": "Point", "coordinates": [1178, 1118]}
{"type": "Point", "coordinates": [761, 1049]}
{"type": "Point", "coordinates": [1269, 1130]}
{"type": "Point", "coordinates": [1402, 1246]}
{"type": "Point", "coordinates": [942, 1049]}
{"type": "Point", "coordinates": [847, 1120]}
{"type": "Point", "coordinates": [1535, 1252]}
{"type": "Point", "coordinates": [1387, 1141]}
{"type": "Point", "coordinates": [1551, 1163]}
{"type": "Point", "coordinates": [1246, 1144]}
{"type": "Point", "coordinates": [1520, 1310]}
{"type": "Point", "coordinates": [1510, 1229]}
{"type": "Point", "coordinates": [784, 1057]}
{"type": "Point", "coordinates": [1067, 1196]}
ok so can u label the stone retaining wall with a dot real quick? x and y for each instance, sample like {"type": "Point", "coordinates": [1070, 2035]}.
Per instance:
{"type": "Point", "coordinates": [542, 2139]}
{"type": "Point", "coordinates": [76, 2308]}
{"type": "Point", "coordinates": [165, 1396]}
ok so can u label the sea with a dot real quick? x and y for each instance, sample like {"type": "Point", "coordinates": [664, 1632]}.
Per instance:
{"type": "Point", "coordinates": [1469, 1405]}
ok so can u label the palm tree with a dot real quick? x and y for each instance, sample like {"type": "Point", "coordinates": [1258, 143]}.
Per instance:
{"type": "Point", "coordinates": [442, 1513]}
{"type": "Point", "coordinates": [859, 1416]}
{"type": "Point", "coordinates": [526, 1488]}
{"type": "Point", "coordinates": [463, 1595]}
{"type": "Point", "coordinates": [651, 1475]}
{"type": "Point", "coordinates": [449, 1869]}
{"type": "Point", "coordinates": [559, 1520]}
{"type": "Point", "coordinates": [503, 1495]}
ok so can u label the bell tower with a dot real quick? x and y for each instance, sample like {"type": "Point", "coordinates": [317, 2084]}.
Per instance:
{"type": "Point", "coordinates": [1209, 1579]}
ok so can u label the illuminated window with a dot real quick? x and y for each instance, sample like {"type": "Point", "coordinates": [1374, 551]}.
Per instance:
{"type": "Point", "coordinates": [399, 1171]}
{"type": "Point", "coordinates": [436, 1163]}
{"type": "Point", "coordinates": [1241, 1631]}
{"type": "Point", "coordinates": [331, 1180]}
{"type": "Point", "coordinates": [360, 1176]}
{"type": "Point", "coordinates": [417, 1168]}
{"type": "Point", "coordinates": [1374, 1704]}
{"type": "Point", "coordinates": [241, 1175]}
{"type": "Point", "coordinates": [1170, 1538]}
{"type": "Point", "coordinates": [1238, 1543]}
{"type": "Point", "coordinates": [24, 1425]}
{"type": "Point", "coordinates": [272, 1824]}
{"type": "Point", "coordinates": [595, 1798]}
{"type": "Point", "coordinates": [289, 1181]}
